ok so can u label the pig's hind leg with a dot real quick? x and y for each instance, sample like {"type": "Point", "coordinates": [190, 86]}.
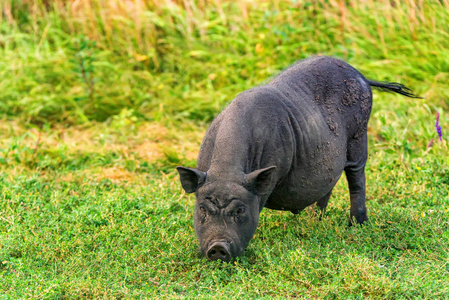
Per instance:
{"type": "Point", "coordinates": [357, 154]}
{"type": "Point", "coordinates": [322, 203]}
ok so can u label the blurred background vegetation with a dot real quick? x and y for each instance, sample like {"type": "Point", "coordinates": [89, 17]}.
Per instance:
{"type": "Point", "coordinates": [79, 61]}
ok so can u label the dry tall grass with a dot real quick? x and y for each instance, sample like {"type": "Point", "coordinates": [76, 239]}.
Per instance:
{"type": "Point", "coordinates": [193, 45]}
{"type": "Point", "coordinates": [140, 25]}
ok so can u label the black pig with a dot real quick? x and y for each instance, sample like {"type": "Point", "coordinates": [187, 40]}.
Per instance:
{"type": "Point", "coordinates": [282, 145]}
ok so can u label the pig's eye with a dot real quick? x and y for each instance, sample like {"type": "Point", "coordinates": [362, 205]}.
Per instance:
{"type": "Point", "coordinates": [203, 214]}
{"type": "Point", "coordinates": [240, 211]}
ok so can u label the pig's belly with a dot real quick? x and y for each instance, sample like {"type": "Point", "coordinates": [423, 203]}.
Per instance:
{"type": "Point", "coordinates": [305, 185]}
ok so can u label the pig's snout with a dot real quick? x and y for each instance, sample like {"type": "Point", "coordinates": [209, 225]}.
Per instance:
{"type": "Point", "coordinates": [219, 250]}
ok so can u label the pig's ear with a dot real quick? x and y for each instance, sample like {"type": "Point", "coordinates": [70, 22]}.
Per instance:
{"type": "Point", "coordinates": [191, 179]}
{"type": "Point", "coordinates": [260, 180]}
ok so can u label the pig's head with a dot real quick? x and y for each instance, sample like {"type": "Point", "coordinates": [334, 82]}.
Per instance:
{"type": "Point", "coordinates": [226, 211]}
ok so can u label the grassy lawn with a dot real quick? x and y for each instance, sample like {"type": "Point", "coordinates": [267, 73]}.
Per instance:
{"type": "Point", "coordinates": [100, 101]}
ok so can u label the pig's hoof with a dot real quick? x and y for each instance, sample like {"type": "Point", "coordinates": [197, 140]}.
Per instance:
{"type": "Point", "coordinates": [360, 221]}
{"type": "Point", "coordinates": [219, 251]}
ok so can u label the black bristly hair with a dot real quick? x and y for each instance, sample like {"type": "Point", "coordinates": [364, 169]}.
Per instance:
{"type": "Point", "coordinates": [393, 87]}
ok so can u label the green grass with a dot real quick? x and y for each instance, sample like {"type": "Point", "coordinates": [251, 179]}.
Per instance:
{"type": "Point", "coordinates": [98, 108]}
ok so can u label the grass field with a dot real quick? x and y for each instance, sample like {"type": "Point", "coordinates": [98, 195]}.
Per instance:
{"type": "Point", "coordinates": [101, 100]}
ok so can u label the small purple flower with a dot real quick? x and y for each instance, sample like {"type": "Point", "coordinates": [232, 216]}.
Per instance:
{"type": "Point", "coordinates": [438, 127]}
